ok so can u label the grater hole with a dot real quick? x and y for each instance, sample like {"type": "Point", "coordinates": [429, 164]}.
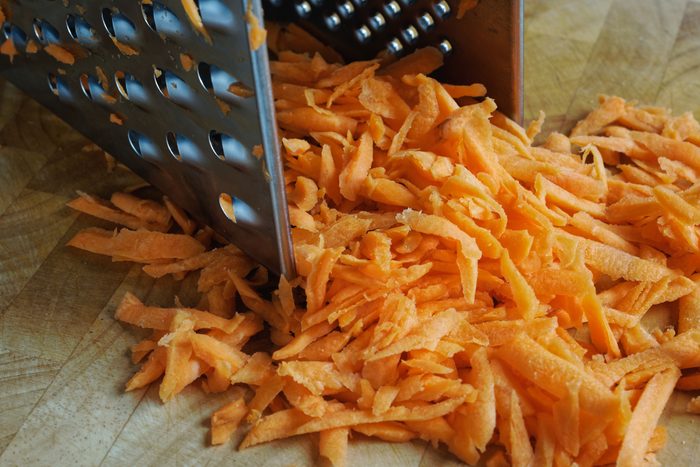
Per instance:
{"type": "Point", "coordinates": [426, 22]}
{"type": "Point", "coordinates": [120, 79]}
{"type": "Point", "coordinates": [216, 15]}
{"type": "Point", "coordinates": [45, 32]}
{"type": "Point", "coordinates": [173, 87]}
{"type": "Point", "coordinates": [363, 34]}
{"type": "Point", "coordinates": [410, 35]}
{"type": "Point", "coordinates": [59, 88]}
{"type": "Point", "coordinates": [143, 146]}
{"type": "Point", "coordinates": [442, 9]}
{"type": "Point", "coordinates": [57, 85]}
{"type": "Point", "coordinates": [346, 9]}
{"type": "Point", "coordinates": [445, 47]}
{"type": "Point", "coordinates": [303, 9]}
{"type": "Point", "coordinates": [135, 139]}
{"type": "Point", "coordinates": [237, 210]}
{"type": "Point", "coordinates": [204, 74]}
{"type": "Point", "coordinates": [229, 149]}
{"type": "Point", "coordinates": [395, 46]}
{"type": "Point", "coordinates": [53, 84]}
{"type": "Point", "coordinates": [85, 85]}
{"type": "Point", "coordinates": [94, 90]}
{"type": "Point", "coordinates": [227, 206]}
{"type": "Point", "coordinates": [332, 21]}
{"type": "Point", "coordinates": [221, 83]}
{"type": "Point", "coordinates": [161, 82]}
{"type": "Point", "coordinates": [147, 9]}
{"type": "Point", "coordinates": [80, 30]}
{"type": "Point", "coordinates": [161, 19]}
{"type": "Point", "coordinates": [15, 34]}
{"type": "Point", "coordinates": [171, 139]}
{"type": "Point", "coordinates": [194, 14]}
{"type": "Point", "coordinates": [182, 148]}
{"type": "Point", "coordinates": [392, 9]}
{"type": "Point", "coordinates": [377, 22]}
{"type": "Point", "coordinates": [118, 26]}
{"type": "Point", "coordinates": [130, 88]}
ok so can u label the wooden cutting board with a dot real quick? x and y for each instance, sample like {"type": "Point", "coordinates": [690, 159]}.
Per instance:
{"type": "Point", "coordinates": [64, 361]}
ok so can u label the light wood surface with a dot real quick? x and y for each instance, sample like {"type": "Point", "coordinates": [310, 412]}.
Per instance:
{"type": "Point", "coordinates": [63, 360]}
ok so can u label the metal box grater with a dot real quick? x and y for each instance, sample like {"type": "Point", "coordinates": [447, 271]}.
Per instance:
{"type": "Point", "coordinates": [132, 91]}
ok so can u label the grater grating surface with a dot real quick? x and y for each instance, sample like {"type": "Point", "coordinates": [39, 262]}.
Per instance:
{"type": "Point", "coordinates": [131, 90]}
{"type": "Point", "coordinates": [483, 46]}
{"type": "Point", "coordinates": [174, 132]}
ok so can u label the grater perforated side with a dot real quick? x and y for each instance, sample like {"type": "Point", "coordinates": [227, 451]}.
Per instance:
{"type": "Point", "coordinates": [483, 46]}
{"type": "Point", "coordinates": [181, 129]}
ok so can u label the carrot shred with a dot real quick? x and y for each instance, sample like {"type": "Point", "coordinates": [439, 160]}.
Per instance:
{"type": "Point", "coordinates": [138, 246]}
{"type": "Point", "coordinates": [102, 209]}
{"type": "Point", "coordinates": [456, 283]}
{"type": "Point", "coordinates": [187, 225]}
{"type": "Point", "coordinates": [149, 211]}
{"type": "Point", "coordinates": [131, 310]}
{"type": "Point", "coordinates": [645, 416]}
{"type": "Point", "coordinates": [225, 421]}
{"type": "Point", "coordinates": [333, 445]}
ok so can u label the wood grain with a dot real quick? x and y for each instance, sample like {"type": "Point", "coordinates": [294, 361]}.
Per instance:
{"type": "Point", "coordinates": [630, 54]}
{"type": "Point", "coordinates": [680, 86]}
{"type": "Point", "coordinates": [29, 231]}
{"type": "Point", "coordinates": [23, 380]}
{"type": "Point", "coordinates": [64, 360]}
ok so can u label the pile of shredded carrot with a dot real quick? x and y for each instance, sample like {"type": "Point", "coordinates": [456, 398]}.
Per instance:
{"type": "Point", "coordinates": [456, 283]}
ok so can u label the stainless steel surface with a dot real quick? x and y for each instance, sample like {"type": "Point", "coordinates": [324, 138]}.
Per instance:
{"type": "Point", "coordinates": [483, 46]}
{"type": "Point", "coordinates": [174, 132]}
{"type": "Point", "coordinates": [185, 132]}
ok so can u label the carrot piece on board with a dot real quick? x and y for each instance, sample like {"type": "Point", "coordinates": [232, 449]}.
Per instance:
{"type": "Point", "coordinates": [475, 422]}
{"type": "Point", "coordinates": [645, 415]}
{"type": "Point", "coordinates": [689, 308]}
{"type": "Point", "coordinates": [149, 211]}
{"type": "Point", "coordinates": [550, 372]}
{"type": "Point", "coordinates": [139, 246]}
{"type": "Point", "coordinates": [131, 310]}
{"type": "Point", "coordinates": [225, 421]}
{"type": "Point", "coordinates": [386, 431]}
{"type": "Point", "coordinates": [101, 209]}
{"type": "Point", "coordinates": [333, 445]}
{"type": "Point", "coordinates": [151, 370]}
{"type": "Point", "coordinates": [187, 225]}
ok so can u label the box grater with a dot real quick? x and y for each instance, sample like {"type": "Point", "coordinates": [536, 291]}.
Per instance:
{"type": "Point", "coordinates": [152, 89]}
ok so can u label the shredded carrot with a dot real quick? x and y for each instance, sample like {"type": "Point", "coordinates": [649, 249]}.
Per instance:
{"type": "Point", "coordinates": [139, 246]}
{"type": "Point", "coordinates": [191, 7]}
{"type": "Point", "coordinates": [187, 225]}
{"type": "Point", "coordinates": [456, 283]}
{"type": "Point", "coordinates": [256, 33]}
{"type": "Point", "coordinates": [225, 421]}
{"type": "Point", "coordinates": [333, 445]}
{"type": "Point", "coordinates": [110, 212]}
{"type": "Point", "coordinates": [147, 210]}
{"type": "Point", "coordinates": [645, 417]}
